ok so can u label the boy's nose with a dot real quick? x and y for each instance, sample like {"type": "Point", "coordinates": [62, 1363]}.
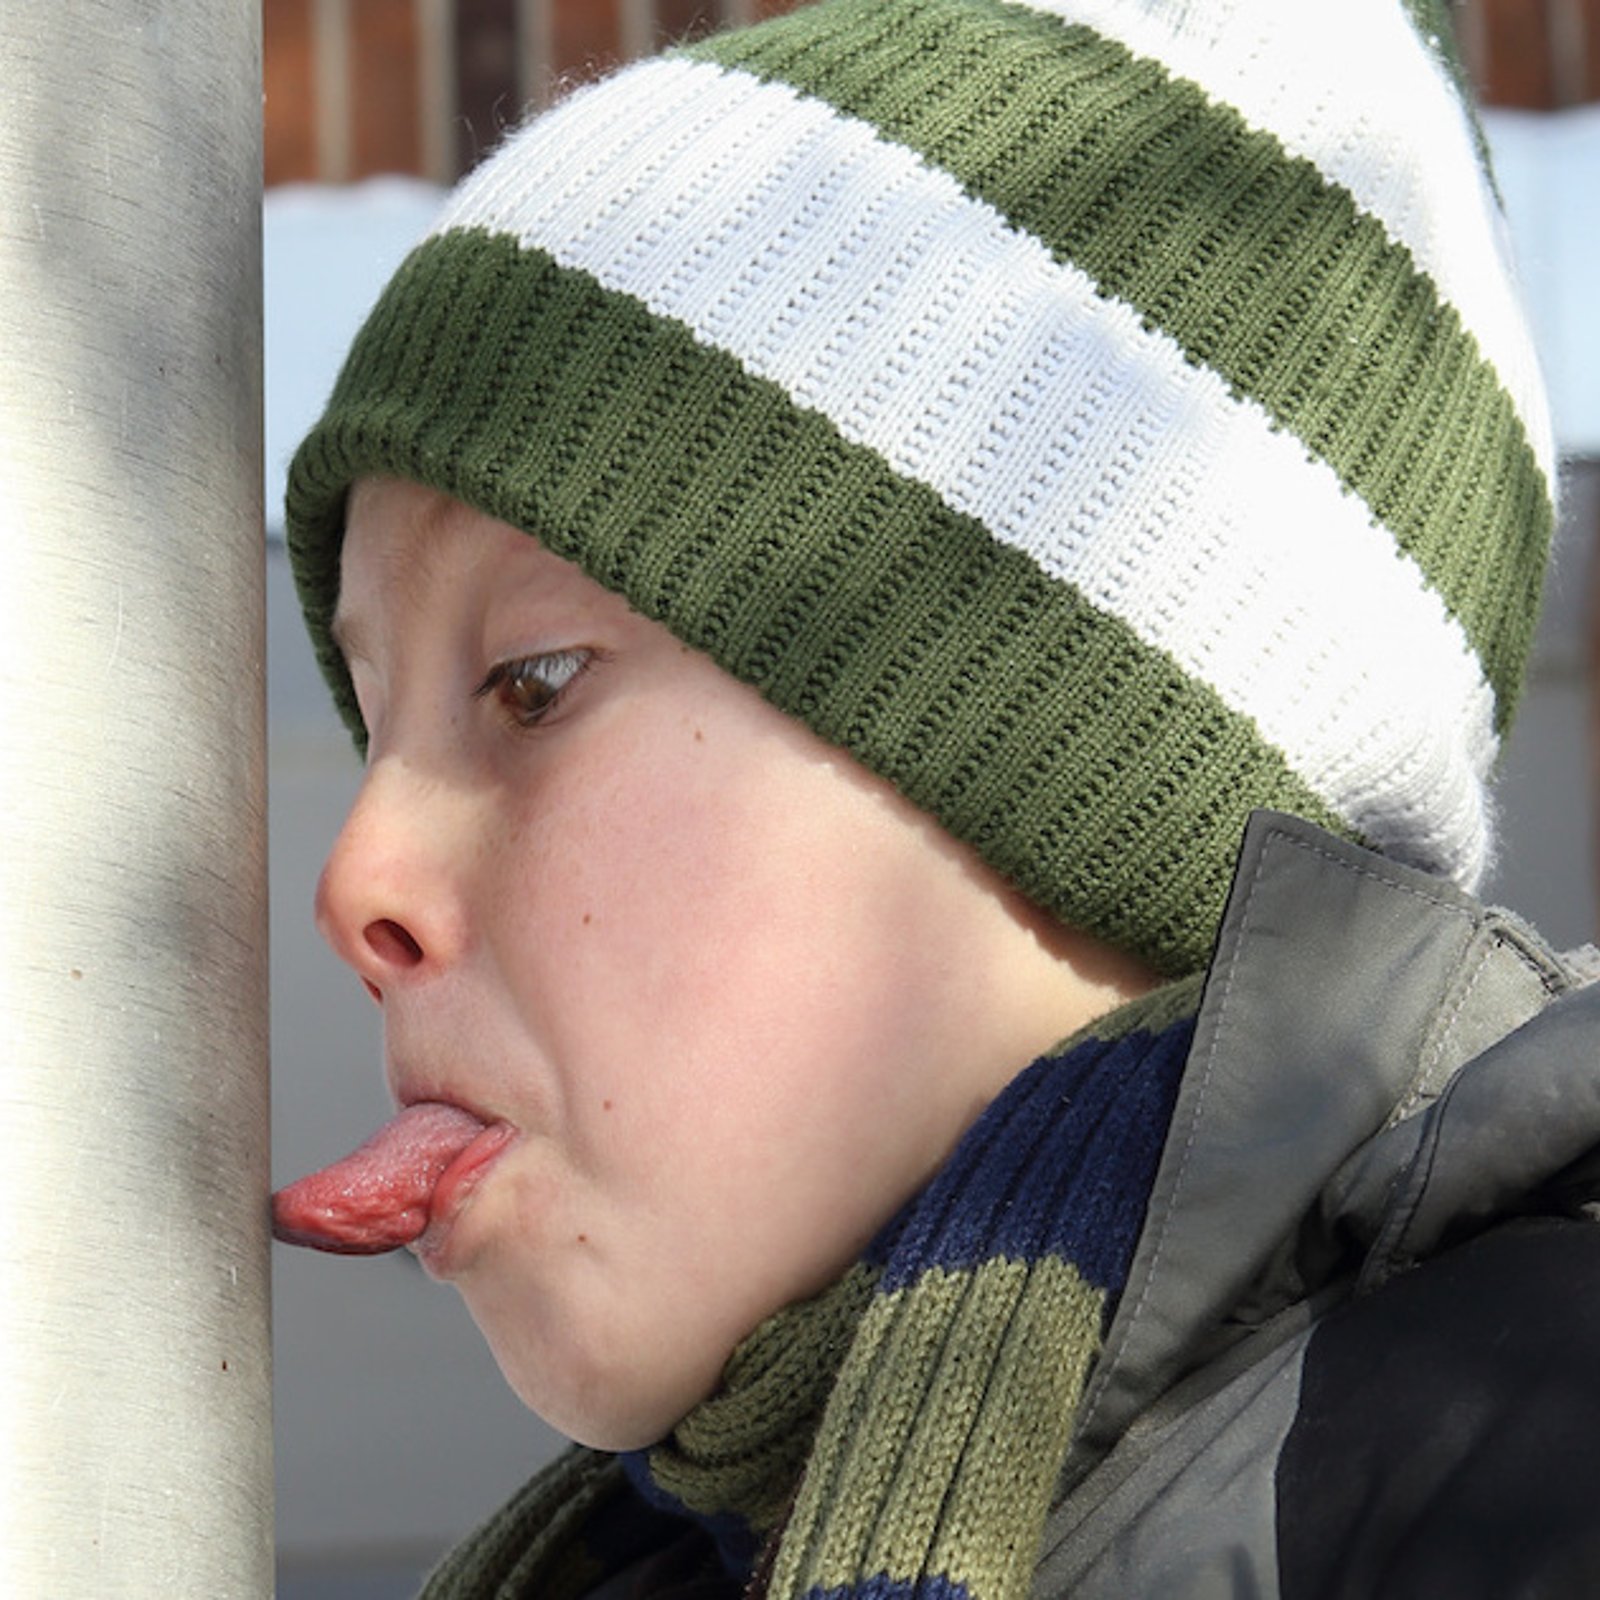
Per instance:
{"type": "Point", "coordinates": [386, 901]}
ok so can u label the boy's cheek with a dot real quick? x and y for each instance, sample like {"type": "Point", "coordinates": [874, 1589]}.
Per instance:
{"type": "Point", "coordinates": [655, 886]}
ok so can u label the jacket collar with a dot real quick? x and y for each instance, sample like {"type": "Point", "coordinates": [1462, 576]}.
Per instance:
{"type": "Point", "coordinates": [1345, 992]}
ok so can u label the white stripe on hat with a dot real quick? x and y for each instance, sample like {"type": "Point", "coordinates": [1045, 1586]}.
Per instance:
{"type": "Point", "coordinates": [876, 291]}
{"type": "Point", "coordinates": [1352, 87]}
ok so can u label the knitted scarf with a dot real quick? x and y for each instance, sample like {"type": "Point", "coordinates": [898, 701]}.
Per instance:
{"type": "Point", "coordinates": [901, 1434]}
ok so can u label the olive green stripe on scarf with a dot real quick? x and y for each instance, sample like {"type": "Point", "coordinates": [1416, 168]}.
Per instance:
{"type": "Point", "coordinates": [741, 1451]}
{"type": "Point", "coordinates": [534, 1544]}
{"type": "Point", "coordinates": [984, 1368]}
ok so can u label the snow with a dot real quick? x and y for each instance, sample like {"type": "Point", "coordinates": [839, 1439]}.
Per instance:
{"type": "Point", "coordinates": [329, 251]}
{"type": "Point", "coordinates": [1548, 166]}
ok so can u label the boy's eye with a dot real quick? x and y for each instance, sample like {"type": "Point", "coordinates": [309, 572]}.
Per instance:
{"type": "Point", "coordinates": [529, 686]}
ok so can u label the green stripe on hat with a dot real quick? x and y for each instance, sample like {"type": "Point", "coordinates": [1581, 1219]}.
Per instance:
{"type": "Point", "coordinates": [1252, 261]}
{"type": "Point", "coordinates": [1110, 786]}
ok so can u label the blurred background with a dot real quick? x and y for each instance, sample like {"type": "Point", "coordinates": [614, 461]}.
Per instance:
{"type": "Point", "coordinates": [394, 1431]}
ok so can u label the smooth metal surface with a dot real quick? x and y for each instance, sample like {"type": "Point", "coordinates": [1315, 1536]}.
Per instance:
{"type": "Point", "coordinates": [134, 1385]}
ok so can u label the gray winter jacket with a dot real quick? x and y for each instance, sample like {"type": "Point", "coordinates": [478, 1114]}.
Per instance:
{"type": "Point", "coordinates": [1359, 1350]}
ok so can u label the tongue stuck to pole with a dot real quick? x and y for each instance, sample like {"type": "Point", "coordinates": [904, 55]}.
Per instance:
{"type": "Point", "coordinates": [380, 1196]}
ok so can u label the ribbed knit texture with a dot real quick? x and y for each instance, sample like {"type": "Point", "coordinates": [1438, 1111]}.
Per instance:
{"type": "Point", "coordinates": [1102, 418]}
{"type": "Point", "coordinates": [901, 1434]}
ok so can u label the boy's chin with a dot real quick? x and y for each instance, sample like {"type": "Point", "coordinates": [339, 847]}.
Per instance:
{"type": "Point", "coordinates": [606, 1423]}
{"type": "Point", "coordinates": [613, 1405]}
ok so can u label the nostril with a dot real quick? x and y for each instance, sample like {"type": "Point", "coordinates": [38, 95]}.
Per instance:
{"type": "Point", "coordinates": [392, 944]}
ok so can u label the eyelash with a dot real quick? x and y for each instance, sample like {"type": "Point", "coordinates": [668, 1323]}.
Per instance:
{"type": "Point", "coordinates": [553, 674]}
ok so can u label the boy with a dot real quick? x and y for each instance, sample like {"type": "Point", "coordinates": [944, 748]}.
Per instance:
{"type": "Point", "coordinates": [825, 549]}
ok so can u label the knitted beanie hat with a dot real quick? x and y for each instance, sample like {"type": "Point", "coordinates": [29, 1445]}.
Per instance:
{"type": "Point", "coordinates": [1100, 417]}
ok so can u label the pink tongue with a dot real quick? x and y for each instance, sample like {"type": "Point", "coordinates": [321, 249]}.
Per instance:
{"type": "Point", "coordinates": [377, 1198]}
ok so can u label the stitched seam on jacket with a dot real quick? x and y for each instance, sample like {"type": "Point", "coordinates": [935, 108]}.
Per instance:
{"type": "Point", "coordinates": [1163, 1224]}
{"type": "Point", "coordinates": [1368, 872]}
{"type": "Point", "coordinates": [1548, 966]}
{"type": "Point", "coordinates": [1417, 1092]}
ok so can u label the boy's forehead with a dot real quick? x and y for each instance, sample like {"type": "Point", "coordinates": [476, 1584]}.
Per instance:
{"type": "Point", "coordinates": [386, 500]}
{"type": "Point", "coordinates": [397, 536]}
{"type": "Point", "coordinates": [404, 540]}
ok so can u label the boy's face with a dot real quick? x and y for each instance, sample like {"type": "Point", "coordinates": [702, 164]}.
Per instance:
{"type": "Point", "coordinates": [735, 998]}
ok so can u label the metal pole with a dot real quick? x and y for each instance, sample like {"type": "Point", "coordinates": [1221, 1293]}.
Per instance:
{"type": "Point", "coordinates": [135, 1452]}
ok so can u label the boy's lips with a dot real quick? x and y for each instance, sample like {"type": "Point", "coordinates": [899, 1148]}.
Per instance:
{"type": "Point", "coordinates": [408, 1179]}
{"type": "Point", "coordinates": [456, 1182]}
